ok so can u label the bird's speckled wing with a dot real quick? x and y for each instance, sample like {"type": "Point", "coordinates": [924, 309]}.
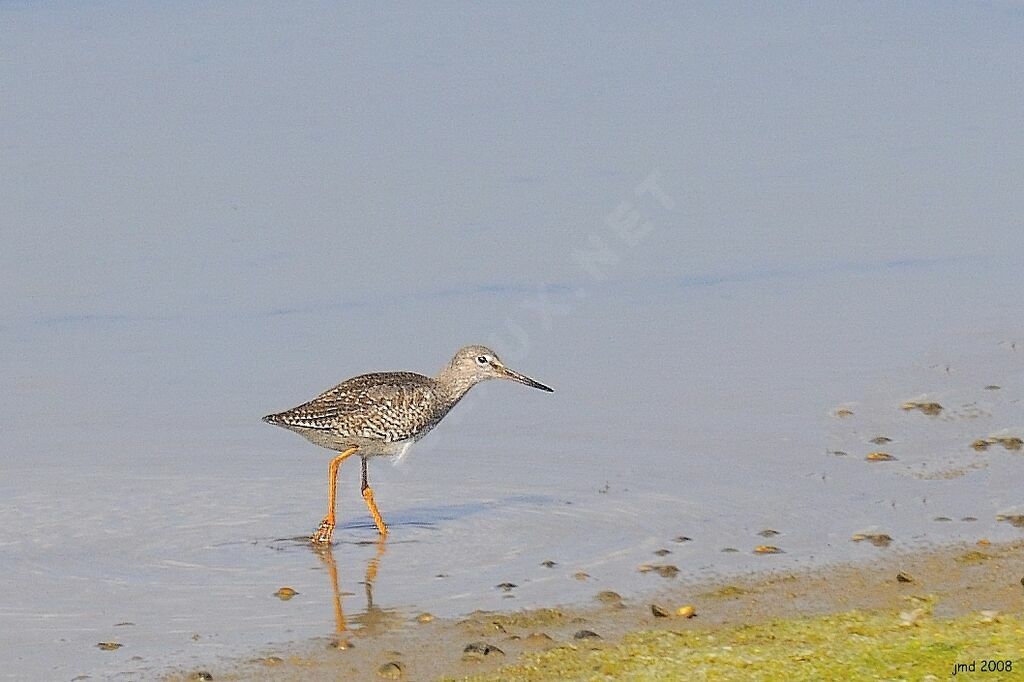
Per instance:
{"type": "Point", "coordinates": [389, 406]}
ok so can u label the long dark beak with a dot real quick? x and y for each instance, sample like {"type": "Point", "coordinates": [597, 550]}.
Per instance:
{"type": "Point", "coordinates": [507, 373]}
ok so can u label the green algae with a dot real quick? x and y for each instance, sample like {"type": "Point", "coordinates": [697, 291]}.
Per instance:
{"type": "Point", "coordinates": [847, 646]}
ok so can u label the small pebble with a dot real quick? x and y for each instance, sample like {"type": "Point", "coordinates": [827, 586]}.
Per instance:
{"type": "Point", "coordinates": [609, 597]}
{"type": "Point", "coordinates": [768, 533]}
{"type": "Point", "coordinates": [838, 453]}
{"type": "Point", "coordinates": [880, 440]}
{"type": "Point", "coordinates": [662, 552]}
{"type": "Point", "coordinates": [659, 611]}
{"type": "Point", "coordinates": [880, 457]}
{"type": "Point", "coordinates": [506, 587]}
{"type": "Point", "coordinates": [285, 593]}
{"type": "Point", "coordinates": [988, 616]}
{"type": "Point", "coordinates": [984, 542]}
{"type": "Point", "coordinates": [929, 408]}
{"type": "Point", "coordinates": [843, 412]}
{"type": "Point", "coordinates": [586, 634]}
{"type": "Point", "coordinates": [876, 539]}
{"type": "Point", "coordinates": [270, 660]}
{"type": "Point", "coordinates": [992, 387]}
{"type": "Point", "coordinates": [767, 549]}
{"type": "Point", "coordinates": [537, 639]}
{"type": "Point", "coordinates": [687, 611]}
{"type": "Point", "coordinates": [729, 550]}
{"type": "Point", "coordinates": [942, 519]}
{"type": "Point", "coordinates": [341, 644]}
{"type": "Point", "coordinates": [392, 670]}
{"type": "Point", "coordinates": [682, 538]}
{"type": "Point", "coordinates": [581, 575]}
{"type": "Point", "coordinates": [904, 577]}
{"type": "Point", "coordinates": [548, 564]}
{"type": "Point", "coordinates": [109, 646]}
{"type": "Point", "coordinates": [666, 571]}
{"type": "Point", "coordinates": [981, 445]}
{"type": "Point", "coordinates": [1011, 443]}
{"type": "Point", "coordinates": [200, 675]}
{"type": "Point", "coordinates": [424, 617]}
{"type": "Point", "coordinates": [968, 518]}
{"type": "Point", "coordinates": [479, 650]}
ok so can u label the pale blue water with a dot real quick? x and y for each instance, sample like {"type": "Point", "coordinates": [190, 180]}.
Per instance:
{"type": "Point", "coordinates": [707, 229]}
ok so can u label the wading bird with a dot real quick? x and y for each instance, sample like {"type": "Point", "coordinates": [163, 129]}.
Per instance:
{"type": "Point", "coordinates": [383, 414]}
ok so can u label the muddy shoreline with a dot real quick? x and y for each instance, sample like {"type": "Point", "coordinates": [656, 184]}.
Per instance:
{"type": "Point", "coordinates": [958, 580]}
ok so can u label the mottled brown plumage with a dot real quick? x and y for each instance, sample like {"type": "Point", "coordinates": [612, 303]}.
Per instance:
{"type": "Point", "coordinates": [377, 412]}
{"type": "Point", "coordinates": [386, 412]}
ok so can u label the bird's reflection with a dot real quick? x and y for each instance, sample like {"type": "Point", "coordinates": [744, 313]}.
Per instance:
{"type": "Point", "coordinates": [374, 620]}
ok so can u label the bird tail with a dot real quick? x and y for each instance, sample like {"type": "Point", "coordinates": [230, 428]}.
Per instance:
{"type": "Point", "coordinates": [272, 419]}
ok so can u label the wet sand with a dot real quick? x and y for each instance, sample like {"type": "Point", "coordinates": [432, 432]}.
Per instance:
{"type": "Point", "coordinates": [954, 581]}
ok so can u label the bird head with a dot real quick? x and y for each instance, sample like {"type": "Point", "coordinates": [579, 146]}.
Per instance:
{"type": "Point", "coordinates": [479, 363]}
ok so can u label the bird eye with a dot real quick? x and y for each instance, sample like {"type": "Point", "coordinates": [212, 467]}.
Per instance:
{"type": "Point", "coordinates": [481, 359]}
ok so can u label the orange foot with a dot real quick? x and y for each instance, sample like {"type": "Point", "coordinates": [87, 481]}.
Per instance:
{"type": "Point", "coordinates": [323, 534]}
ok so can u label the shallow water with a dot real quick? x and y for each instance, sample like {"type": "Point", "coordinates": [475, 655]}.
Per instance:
{"type": "Point", "coordinates": [210, 215]}
{"type": "Point", "coordinates": [715, 432]}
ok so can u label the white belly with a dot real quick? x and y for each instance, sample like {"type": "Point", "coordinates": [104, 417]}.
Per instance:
{"type": "Point", "coordinates": [379, 449]}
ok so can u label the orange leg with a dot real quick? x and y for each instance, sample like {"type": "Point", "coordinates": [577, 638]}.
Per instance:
{"type": "Point", "coordinates": [326, 530]}
{"type": "Point", "coordinates": [382, 527]}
